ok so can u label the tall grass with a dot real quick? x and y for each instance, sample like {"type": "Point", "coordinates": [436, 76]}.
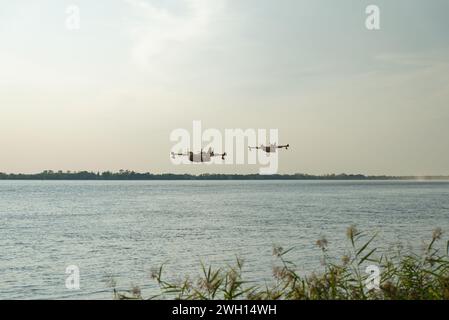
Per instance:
{"type": "Point", "coordinates": [423, 276]}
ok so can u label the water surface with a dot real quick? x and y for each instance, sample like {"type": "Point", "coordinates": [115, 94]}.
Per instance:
{"type": "Point", "coordinates": [126, 228]}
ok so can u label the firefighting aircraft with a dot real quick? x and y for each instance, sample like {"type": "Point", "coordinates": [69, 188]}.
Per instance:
{"type": "Point", "coordinates": [200, 157]}
{"type": "Point", "coordinates": [272, 148]}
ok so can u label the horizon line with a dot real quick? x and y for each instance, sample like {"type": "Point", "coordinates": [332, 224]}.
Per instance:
{"type": "Point", "coordinates": [134, 175]}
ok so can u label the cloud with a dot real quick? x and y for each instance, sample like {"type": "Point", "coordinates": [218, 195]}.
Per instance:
{"type": "Point", "coordinates": [161, 31]}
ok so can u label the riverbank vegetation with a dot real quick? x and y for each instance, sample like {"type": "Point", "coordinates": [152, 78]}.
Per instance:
{"type": "Point", "coordinates": [132, 175]}
{"type": "Point", "coordinates": [402, 276]}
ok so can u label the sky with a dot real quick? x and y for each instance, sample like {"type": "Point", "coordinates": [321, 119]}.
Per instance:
{"type": "Point", "coordinates": [107, 96]}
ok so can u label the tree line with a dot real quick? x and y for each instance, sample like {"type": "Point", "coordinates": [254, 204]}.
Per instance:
{"type": "Point", "coordinates": [132, 175]}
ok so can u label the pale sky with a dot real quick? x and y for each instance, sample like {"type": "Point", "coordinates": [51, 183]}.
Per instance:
{"type": "Point", "coordinates": [107, 96]}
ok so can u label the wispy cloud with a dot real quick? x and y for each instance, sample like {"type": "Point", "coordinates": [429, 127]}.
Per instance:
{"type": "Point", "coordinates": [160, 31]}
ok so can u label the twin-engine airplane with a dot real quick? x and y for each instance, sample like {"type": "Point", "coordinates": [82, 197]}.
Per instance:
{"type": "Point", "coordinates": [272, 148]}
{"type": "Point", "coordinates": [200, 157]}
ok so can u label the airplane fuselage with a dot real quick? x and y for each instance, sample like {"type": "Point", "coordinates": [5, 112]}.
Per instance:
{"type": "Point", "coordinates": [199, 157]}
{"type": "Point", "coordinates": [270, 149]}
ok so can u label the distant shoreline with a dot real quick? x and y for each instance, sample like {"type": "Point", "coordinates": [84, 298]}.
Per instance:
{"type": "Point", "coordinates": [135, 176]}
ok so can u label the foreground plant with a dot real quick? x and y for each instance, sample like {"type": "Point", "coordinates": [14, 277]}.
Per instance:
{"type": "Point", "coordinates": [411, 276]}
